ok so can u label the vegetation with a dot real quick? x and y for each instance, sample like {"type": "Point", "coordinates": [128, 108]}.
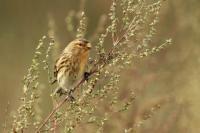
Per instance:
{"type": "Point", "coordinates": [103, 103]}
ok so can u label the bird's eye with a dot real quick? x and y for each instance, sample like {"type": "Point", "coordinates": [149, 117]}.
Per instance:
{"type": "Point", "coordinates": [80, 44]}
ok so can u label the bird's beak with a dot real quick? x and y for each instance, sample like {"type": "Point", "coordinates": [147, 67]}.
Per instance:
{"type": "Point", "coordinates": [89, 46]}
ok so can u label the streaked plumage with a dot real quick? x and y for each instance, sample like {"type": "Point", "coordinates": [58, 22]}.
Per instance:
{"type": "Point", "coordinates": [71, 64]}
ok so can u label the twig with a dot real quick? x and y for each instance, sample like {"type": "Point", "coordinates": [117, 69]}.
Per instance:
{"type": "Point", "coordinates": [52, 112]}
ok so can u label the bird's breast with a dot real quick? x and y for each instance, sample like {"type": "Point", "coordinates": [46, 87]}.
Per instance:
{"type": "Point", "coordinates": [83, 61]}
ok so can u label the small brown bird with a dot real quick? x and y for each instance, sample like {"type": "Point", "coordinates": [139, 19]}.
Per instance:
{"type": "Point", "coordinates": [69, 67]}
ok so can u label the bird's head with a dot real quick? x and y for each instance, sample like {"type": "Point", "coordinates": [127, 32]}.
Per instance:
{"type": "Point", "coordinates": [78, 46]}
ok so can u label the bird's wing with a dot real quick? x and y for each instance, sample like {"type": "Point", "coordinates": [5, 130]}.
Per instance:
{"type": "Point", "coordinates": [63, 61]}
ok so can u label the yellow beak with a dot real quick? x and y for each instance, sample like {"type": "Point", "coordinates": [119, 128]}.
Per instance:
{"type": "Point", "coordinates": [89, 46]}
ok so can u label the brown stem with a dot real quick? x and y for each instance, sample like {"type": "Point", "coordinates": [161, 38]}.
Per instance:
{"type": "Point", "coordinates": [52, 112]}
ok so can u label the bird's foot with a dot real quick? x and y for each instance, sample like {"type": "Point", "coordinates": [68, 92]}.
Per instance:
{"type": "Point", "coordinates": [67, 93]}
{"type": "Point", "coordinates": [86, 76]}
{"type": "Point", "coordinates": [71, 98]}
{"type": "Point", "coordinates": [60, 91]}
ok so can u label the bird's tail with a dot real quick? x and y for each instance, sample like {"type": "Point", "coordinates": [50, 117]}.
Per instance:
{"type": "Point", "coordinates": [54, 81]}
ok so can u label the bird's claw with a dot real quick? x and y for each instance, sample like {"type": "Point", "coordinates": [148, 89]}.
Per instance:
{"type": "Point", "coordinates": [86, 76]}
{"type": "Point", "coordinates": [64, 92]}
{"type": "Point", "coordinates": [61, 92]}
{"type": "Point", "coordinates": [71, 98]}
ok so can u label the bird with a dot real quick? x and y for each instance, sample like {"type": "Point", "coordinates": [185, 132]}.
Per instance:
{"type": "Point", "coordinates": [70, 66]}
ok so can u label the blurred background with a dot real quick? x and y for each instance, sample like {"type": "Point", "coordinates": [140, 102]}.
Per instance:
{"type": "Point", "coordinates": [174, 72]}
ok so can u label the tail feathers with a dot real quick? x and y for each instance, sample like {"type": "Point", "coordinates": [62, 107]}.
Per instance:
{"type": "Point", "coordinates": [54, 81]}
